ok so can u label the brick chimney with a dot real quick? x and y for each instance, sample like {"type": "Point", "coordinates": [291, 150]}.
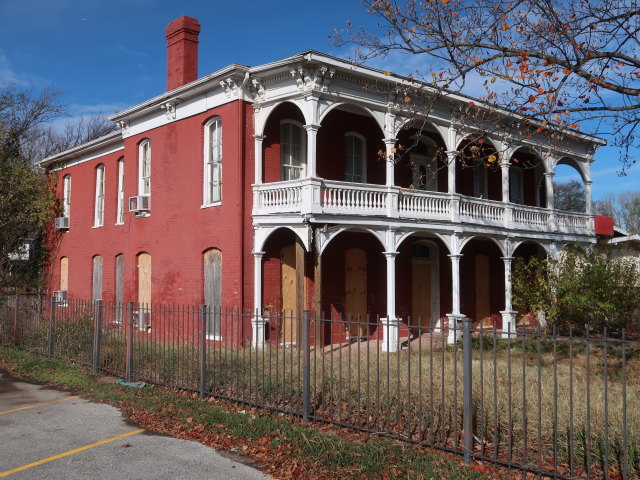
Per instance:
{"type": "Point", "coordinates": [182, 51]}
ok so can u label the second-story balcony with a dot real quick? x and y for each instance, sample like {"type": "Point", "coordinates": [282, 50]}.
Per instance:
{"type": "Point", "coordinates": [328, 197]}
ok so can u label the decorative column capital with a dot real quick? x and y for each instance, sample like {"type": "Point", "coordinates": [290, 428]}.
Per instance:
{"type": "Point", "coordinates": [507, 259]}
{"type": "Point", "coordinates": [390, 141]}
{"type": "Point", "coordinates": [390, 254]}
{"type": "Point", "coordinates": [588, 182]}
{"type": "Point", "coordinates": [258, 254]}
{"type": "Point", "coordinates": [455, 255]}
{"type": "Point", "coordinates": [259, 138]}
{"type": "Point", "coordinates": [549, 174]}
{"type": "Point", "coordinates": [312, 127]}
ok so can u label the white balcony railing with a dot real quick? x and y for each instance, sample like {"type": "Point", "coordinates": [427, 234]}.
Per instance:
{"type": "Point", "coordinates": [317, 196]}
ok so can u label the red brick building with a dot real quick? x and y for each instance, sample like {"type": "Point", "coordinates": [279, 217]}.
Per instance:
{"type": "Point", "coordinates": [264, 188]}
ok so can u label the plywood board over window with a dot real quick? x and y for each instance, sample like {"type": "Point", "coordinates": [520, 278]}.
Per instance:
{"type": "Point", "coordinates": [213, 289]}
{"type": "Point", "coordinates": [97, 278]}
{"type": "Point", "coordinates": [355, 291]}
{"type": "Point", "coordinates": [144, 279]}
{"type": "Point", "coordinates": [119, 287]}
{"type": "Point", "coordinates": [64, 273]}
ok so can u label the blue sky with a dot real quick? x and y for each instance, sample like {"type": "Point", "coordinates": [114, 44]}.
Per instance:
{"type": "Point", "coordinates": [108, 55]}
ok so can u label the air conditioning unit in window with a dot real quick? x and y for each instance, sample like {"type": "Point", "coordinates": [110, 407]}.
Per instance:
{"type": "Point", "coordinates": [142, 320]}
{"type": "Point", "coordinates": [60, 297]}
{"type": "Point", "coordinates": [139, 204]}
{"type": "Point", "coordinates": [62, 223]}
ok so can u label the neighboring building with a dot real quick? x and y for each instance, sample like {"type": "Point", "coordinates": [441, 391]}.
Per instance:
{"type": "Point", "coordinates": [263, 188]}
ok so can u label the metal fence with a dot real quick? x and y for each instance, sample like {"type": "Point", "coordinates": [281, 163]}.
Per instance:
{"type": "Point", "coordinates": [557, 405]}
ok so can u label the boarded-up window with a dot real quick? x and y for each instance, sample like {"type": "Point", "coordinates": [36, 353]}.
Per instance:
{"type": "Point", "coordinates": [64, 273]}
{"type": "Point", "coordinates": [97, 278]}
{"type": "Point", "coordinates": [213, 289]}
{"type": "Point", "coordinates": [143, 314]}
{"type": "Point", "coordinates": [119, 287]}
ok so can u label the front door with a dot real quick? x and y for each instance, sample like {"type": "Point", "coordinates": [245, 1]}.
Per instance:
{"type": "Point", "coordinates": [355, 292]}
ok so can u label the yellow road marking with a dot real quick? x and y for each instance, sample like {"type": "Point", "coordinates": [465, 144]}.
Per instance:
{"type": "Point", "coordinates": [39, 405]}
{"type": "Point", "coordinates": [70, 452]}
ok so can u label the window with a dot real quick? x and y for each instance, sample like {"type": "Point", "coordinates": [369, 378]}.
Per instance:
{"type": "Point", "coordinates": [424, 166]}
{"type": "Point", "coordinates": [293, 154]}
{"type": "Point", "coordinates": [354, 162]}
{"type": "Point", "coordinates": [212, 260]}
{"type": "Point", "coordinates": [97, 278]}
{"type": "Point", "coordinates": [66, 196]}
{"type": "Point", "coordinates": [515, 185]}
{"type": "Point", "coordinates": [120, 206]}
{"type": "Point", "coordinates": [98, 217]}
{"type": "Point", "coordinates": [479, 180]}
{"type": "Point", "coordinates": [213, 161]}
{"type": "Point", "coordinates": [144, 168]}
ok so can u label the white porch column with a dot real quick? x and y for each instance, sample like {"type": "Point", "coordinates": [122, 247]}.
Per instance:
{"type": "Point", "coordinates": [257, 320]}
{"type": "Point", "coordinates": [587, 197]}
{"type": "Point", "coordinates": [508, 315]}
{"type": "Point", "coordinates": [455, 316]}
{"type": "Point", "coordinates": [258, 158]}
{"type": "Point", "coordinates": [548, 179]}
{"type": "Point", "coordinates": [312, 135]}
{"type": "Point", "coordinates": [504, 166]}
{"type": "Point", "coordinates": [390, 324]}
{"type": "Point", "coordinates": [451, 171]}
{"type": "Point", "coordinates": [390, 145]}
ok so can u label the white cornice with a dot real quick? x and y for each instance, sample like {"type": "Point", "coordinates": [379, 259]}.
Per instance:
{"type": "Point", "coordinates": [111, 142]}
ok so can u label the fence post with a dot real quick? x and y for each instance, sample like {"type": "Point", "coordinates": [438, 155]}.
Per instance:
{"type": "Point", "coordinates": [129, 372]}
{"type": "Point", "coordinates": [15, 320]}
{"type": "Point", "coordinates": [306, 366]}
{"type": "Point", "coordinates": [52, 319]}
{"type": "Point", "coordinates": [97, 333]}
{"type": "Point", "coordinates": [202, 340]}
{"type": "Point", "coordinates": [467, 391]}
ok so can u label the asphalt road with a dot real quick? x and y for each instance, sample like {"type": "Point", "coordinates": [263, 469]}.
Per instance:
{"type": "Point", "coordinates": [46, 434]}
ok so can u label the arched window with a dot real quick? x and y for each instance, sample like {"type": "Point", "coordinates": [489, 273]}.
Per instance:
{"type": "Point", "coordinates": [213, 161]}
{"type": "Point", "coordinates": [98, 217]}
{"type": "Point", "coordinates": [66, 196]}
{"type": "Point", "coordinates": [293, 153]}
{"type": "Point", "coordinates": [120, 205]}
{"type": "Point", "coordinates": [355, 158]}
{"type": "Point", "coordinates": [144, 168]}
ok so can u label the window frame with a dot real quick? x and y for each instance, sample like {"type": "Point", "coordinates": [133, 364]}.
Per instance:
{"type": "Point", "coordinates": [212, 164]}
{"type": "Point", "coordinates": [99, 198]}
{"type": "Point", "coordinates": [120, 198]}
{"type": "Point", "coordinates": [285, 167]}
{"type": "Point", "coordinates": [363, 172]}
{"type": "Point", "coordinates": [66, 196]}
{"type": "Point", "coordinates": [144, 160]}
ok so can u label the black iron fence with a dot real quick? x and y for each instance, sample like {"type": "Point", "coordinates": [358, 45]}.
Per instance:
{"type": "Point", "coordinates": [558, 405]}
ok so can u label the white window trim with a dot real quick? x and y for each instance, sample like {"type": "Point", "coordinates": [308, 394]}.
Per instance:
{"type": "Point", "coordinates": [206, 200]}
{"type": "Point", "coordinates": [141, 149]}
{"type": "Point", "coordinates": [99, 199]}
{"type": "Point", "coordinates": [364, 154]}
{"type": "Point", "coordinates": [121, 200]}
{"type": "Point", "coordinates": [303, 149]}
{"type": "Point", "coordinates": [66, 196]}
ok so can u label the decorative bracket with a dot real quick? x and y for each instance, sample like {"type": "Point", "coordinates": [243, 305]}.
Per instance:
{"type": "Point", "coordinates": [124, 126]}
{"type": "Point", "coordinates": [230, 87]}
{"type": "Point", "coordinates": [258, 90]}
{"type": "Point", "coordinates": [312, 79]}
{"type": "Point", "coordinates": [170, 109]}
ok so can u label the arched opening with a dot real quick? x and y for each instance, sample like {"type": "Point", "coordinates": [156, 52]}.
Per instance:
{"type": "Point", "coordinates": [286, 285]}
{"type": "Point", "coordinates": [284, 146]}
{"type": "Point", "coordinates": [568, 187]}
{"type": "Point", "coordinates": [527, 271]}
{"type": "Point", "coordinates": [353, 285]}
{"type": "Point", "coordinates": [478, 170]}
{"type": "Point", "coordinates": [421, 159]}
{"type": "Point", "coordinates": [348, 146]}
{"type": "Point", "coordinates": [424, 292]}
{"type": "Point", "coordinates": [482, 282]}
{"type": "Point", "coordinates": [527, 184]}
